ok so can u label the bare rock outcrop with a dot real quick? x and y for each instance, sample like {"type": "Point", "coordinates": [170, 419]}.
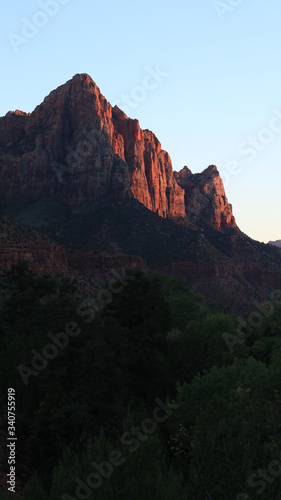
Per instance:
{"type": "Point", "coordinates": [205, 198]}
{"type": "Point", "coordinates": [76, 148]}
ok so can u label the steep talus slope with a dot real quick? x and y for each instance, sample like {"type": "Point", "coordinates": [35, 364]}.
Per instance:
{"type": "Point", "coordinates": [22, 243]}
{"type": "Point", "coordinates": [229, 268]}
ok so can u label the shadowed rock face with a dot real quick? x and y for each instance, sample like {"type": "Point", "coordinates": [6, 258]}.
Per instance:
{"type": "Point", "coordinates": [226, 266]}
{"type": "Point", "coordinates": [205, 199]}
{"type": "Point", "coordinates": [76, 148]}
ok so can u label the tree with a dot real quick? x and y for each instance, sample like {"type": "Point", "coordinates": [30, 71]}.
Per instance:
{"type": "Point", "coordinates": [227, 429]}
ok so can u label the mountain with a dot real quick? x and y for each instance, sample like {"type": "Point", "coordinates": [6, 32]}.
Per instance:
{"type": "Point", "coordinates": [275, 243]}
{"type": "Point", "coordinates": [227, 267]}
{"type": "Point", "coordinates": [90, 179]}
{"type": "Point", "coordinates": [205, 198]}
{"type": "Point", "coordinates": [76, 148]}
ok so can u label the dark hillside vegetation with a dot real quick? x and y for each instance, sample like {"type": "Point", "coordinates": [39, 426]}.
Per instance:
{"type": "Point", "coordinates": [143, 384]}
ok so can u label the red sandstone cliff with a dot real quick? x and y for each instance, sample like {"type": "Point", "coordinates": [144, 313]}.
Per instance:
{"type": "Point", "coordinates": [76, 148]}
{"type": "Point", "coordinates": [151, 174]}
{"type": "Point", "coordinates": [205, 198]}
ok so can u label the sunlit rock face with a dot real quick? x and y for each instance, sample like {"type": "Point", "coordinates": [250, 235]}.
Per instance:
{"type": "Point", "coordinates": [76, 147]}
{"type": "Point", "coordinates": [205, 198]}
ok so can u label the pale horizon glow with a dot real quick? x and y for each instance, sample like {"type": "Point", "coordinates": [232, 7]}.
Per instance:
{"type": "Point", "coordinates": [215, 98]}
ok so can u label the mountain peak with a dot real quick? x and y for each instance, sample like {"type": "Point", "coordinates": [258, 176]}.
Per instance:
{"type": "Point", "coordinates": [76, 148]}
{"type": "Point", "coordinates": [205, 199]}
{"type": "Point", "coordinates": [85, 81]}
{"type": "Point", "coordinates": [79, 85]}
{"type": "Point", "coordinates": [210, 172]}
{"type": "Point", "coordinates": [212, 168]}
{"type": "Point", "coordinates": [276, 243]}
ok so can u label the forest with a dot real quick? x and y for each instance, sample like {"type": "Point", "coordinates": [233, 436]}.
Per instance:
{"type": "Point", "coordinates": [145, 392]}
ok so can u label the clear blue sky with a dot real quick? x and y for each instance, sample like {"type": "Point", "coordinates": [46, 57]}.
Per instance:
{"type": "Point", "coordinates": [221, 87]}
